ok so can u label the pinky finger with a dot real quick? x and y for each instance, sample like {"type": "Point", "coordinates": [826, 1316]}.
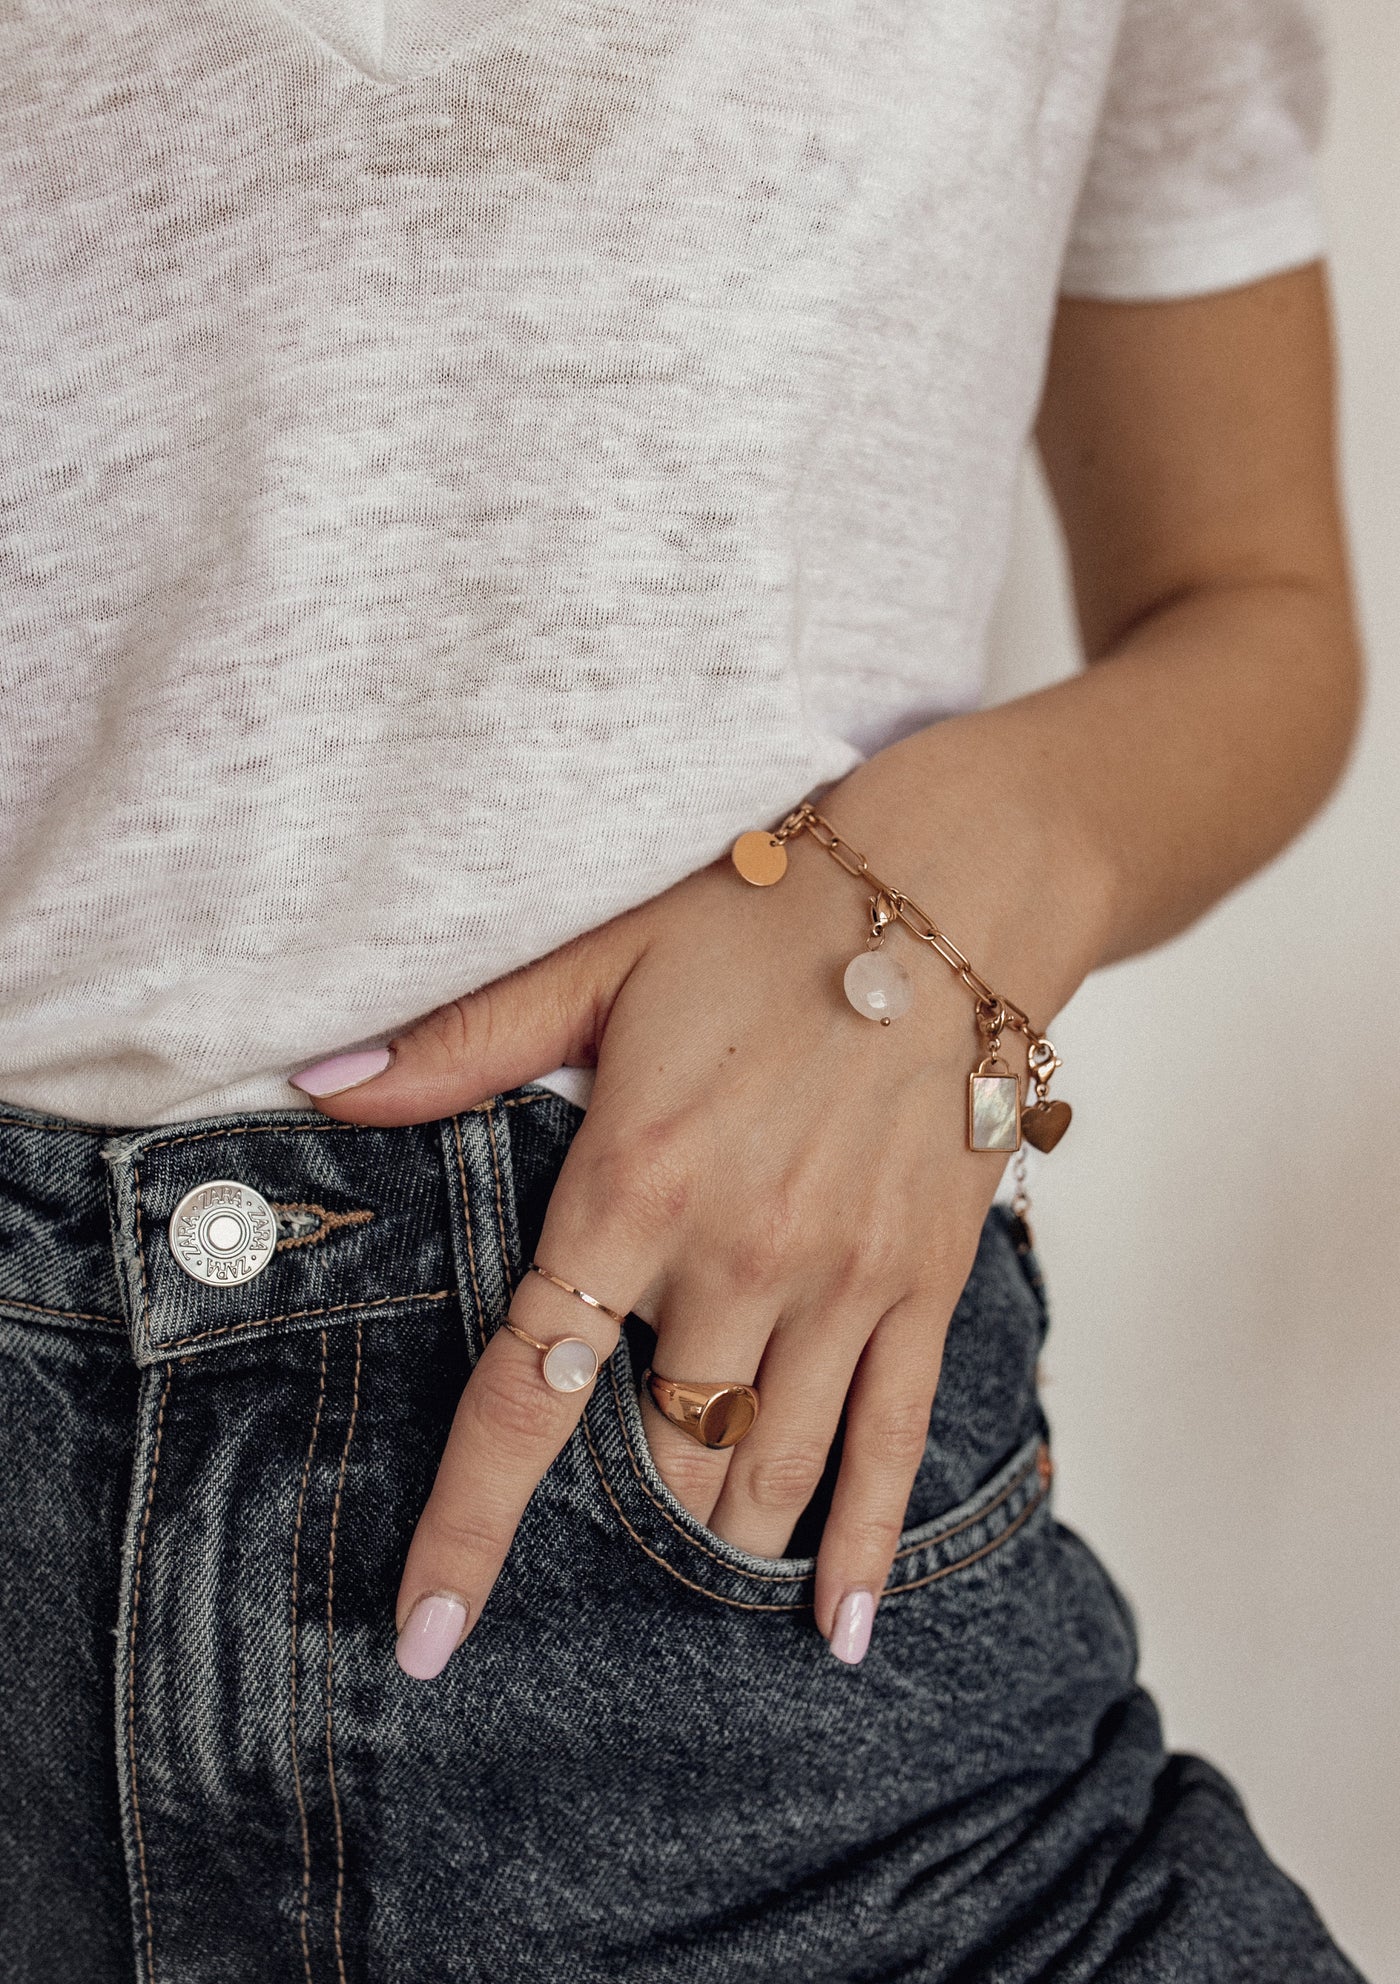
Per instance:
{"type": "Point", "coordinates": [887, 1418]}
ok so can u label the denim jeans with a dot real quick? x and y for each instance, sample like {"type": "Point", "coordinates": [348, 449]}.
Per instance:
{"type": "Point", "coordinates": [644, 1765]}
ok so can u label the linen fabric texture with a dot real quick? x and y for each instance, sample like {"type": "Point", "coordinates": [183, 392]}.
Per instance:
{"type": "Point", "coordinates": [463, 464]}
{"type": "Point", "coordinates": [644, 1766]}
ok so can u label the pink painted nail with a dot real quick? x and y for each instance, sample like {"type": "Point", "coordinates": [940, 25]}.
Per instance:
{"type": "Point", "coordinates": [343, 1071]}
{"type": "Point", "coordinates": [431, 1635]}
{"type": "Point", "coordinates": [850, 1636]}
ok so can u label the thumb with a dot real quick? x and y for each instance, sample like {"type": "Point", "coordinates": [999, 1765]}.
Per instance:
{"type": "Point", "coordinates": [544, 1016]}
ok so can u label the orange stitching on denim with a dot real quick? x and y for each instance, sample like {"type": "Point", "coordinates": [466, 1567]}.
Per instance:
{"type": "Point", "coordinates": [68, 1315]}
{"type": "Point", "coordinates": [253, 1130]}
{"type": "Point", "coordinates": [796, 1577]}
{"type": "Point", "coordinates": [913, 1549]}
{"type": "Point", "coordinates": [946, 1570]}
{"type": "Point", "coordinates": [302, 1315]}
{"type": "Point", "coordinates": [763, 1577]}
{"type": "Point", "coordinates": [500, 1209]}
{"type": "Point", "coordinates": [480, 1318]}
{"type": "Point", "coordinates": [330, 1222]}
{"type": "Point", "coordinates": [138, 1828]}
{"type": "Point", "coordinates": [296, 1758]}
{"type": "Point", "coordinates": [749, 1605]}
{"type": "Point", "coordinates": [741, 1604]}
{"type": "Point", "coordinates": [330, 1659]}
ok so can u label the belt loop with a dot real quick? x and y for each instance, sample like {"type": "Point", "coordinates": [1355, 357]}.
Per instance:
{"type": "Point", "coordinates": [119, 1154]}
{"type": "Point", "coordinates": [485, 1231]}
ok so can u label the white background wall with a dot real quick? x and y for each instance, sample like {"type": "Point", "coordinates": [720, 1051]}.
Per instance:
{"type": "Point", "coordinates": [1222, 1229]}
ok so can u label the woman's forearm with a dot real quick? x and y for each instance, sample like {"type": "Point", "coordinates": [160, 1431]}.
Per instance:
{"type": "Point", "coordinates": [1190, 451]}
{"type": "Point", "coordinates": [1100, 816]}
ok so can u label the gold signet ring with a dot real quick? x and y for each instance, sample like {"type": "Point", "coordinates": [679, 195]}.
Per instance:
{"type": "Point", "coordinates": [715, 1415]}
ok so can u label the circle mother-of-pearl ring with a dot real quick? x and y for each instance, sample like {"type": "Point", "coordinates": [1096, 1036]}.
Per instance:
{"type": "Point", "coordinates": [567, 1364]}
{"type": "Point", "coordinates": [570, 1362]}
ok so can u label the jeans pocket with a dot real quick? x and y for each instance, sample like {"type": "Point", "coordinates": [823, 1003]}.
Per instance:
{"type": "Point", "coordinates": [627, 1478]}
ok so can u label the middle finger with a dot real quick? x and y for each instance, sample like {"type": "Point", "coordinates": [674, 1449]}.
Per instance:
{"type": "Point", "coordinates": [806, 1374]}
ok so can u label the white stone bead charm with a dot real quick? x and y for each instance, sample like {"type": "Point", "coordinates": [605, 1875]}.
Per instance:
{"type": "Point", "coordinates": [878, 986]}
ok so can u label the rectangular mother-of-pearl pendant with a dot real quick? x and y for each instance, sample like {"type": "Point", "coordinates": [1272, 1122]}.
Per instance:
{"type": "Point", "coordinates": [994, 1112]}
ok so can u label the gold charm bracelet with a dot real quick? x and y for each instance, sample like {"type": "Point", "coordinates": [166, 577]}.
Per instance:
{"type": "Point", "coordinates": [878, 987]}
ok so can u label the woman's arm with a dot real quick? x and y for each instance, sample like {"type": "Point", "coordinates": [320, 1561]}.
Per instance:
{"type": "Point", "coordinates": [782, 1188]}
{"type": "Point", "coordinates": [1190, 449]}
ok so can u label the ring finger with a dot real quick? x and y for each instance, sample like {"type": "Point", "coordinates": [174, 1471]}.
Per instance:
{"type": "Point", "coordinates": [703, 1336]}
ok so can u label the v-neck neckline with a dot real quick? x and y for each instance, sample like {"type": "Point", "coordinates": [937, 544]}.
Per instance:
{"type": "Point", "coordinates": [397, 41]}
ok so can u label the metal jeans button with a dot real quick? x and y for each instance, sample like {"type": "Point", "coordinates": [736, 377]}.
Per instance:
{"type": "Point", "coordinates": [223, 1233]}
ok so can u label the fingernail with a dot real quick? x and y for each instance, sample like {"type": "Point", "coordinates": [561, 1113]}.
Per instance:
{"type": "Point", "coordinates": [850, 1635]}
{"type": "Point", "coordinates": [343, 1071]}
{"type": "Point", "coordinates": [431, 1634]}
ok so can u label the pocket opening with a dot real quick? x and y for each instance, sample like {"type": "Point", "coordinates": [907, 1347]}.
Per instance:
{"type": "Point", "coordinates": [635, 1495]}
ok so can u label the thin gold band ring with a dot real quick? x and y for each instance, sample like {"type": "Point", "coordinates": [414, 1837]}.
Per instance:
{"type": "Point", "coordinates": [569, 1289]}
{"type": "Point", "coordinates": [567, 1363]}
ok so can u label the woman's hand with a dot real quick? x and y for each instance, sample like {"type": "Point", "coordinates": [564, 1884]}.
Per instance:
{"type": "Point", "coordinates": [778, 1185]}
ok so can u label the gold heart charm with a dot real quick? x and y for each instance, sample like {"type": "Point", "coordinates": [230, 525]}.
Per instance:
{"type": "Point", "coordinates": [1044, 1123]}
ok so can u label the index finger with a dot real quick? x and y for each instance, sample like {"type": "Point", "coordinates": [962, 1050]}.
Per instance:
{"type": "Point", "coordinates": [519, 1406]}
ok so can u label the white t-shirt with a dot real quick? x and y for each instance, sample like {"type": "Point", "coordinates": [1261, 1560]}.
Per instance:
{"type": "Point", "coordinates": [460, 465]}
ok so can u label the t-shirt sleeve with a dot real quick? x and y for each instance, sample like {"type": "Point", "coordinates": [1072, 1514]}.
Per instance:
{"type": "Point", "coordinates": [1201, 174]}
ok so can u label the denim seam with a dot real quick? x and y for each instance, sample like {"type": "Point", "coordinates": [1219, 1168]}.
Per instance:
{"type": "Point", "coordinates": [301, 1315]}
{"type": "Point", "coordinates": [761, 1577]}
{"type": "Point", "coordinates": [740, 1604]}
{"type": "Point", "coordinates": [1017, 1480]}
{"type": "Point", "coordinates": [804, 1605]}
{"type": "Point", "coordinates": [993, 1543]}
{"type": "Point", "coordinates": [254, 1130]}
{"type": "Point", "coordinates": [330, 1659]}
{"type": "Point", "coordinates": [65, 1315]}
{"type": "Point", "coordinates": [480, 1317]}
{"type": "Point", "coordinates": [748, 1605]}
{"type": "Point", "coordinates": [500, 1210]}
{"type": "Point", "coordinates": [294, 1732]}
{"type": "Point", "coordinates": [797, 1577]}
{"type": "Point", "coordinates": [62, 1129]}
{"type": "Point", "coordinates": [137, 1825]}
{"type": "Point", "coordinates": [294, 1129]}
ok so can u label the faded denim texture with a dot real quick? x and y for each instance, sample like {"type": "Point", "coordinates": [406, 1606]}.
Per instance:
{"type": "Point", "coordinates": [644, 1767]}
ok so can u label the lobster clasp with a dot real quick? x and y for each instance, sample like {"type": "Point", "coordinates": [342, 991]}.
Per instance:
{"type": "Point", "coordinates": [883, 911]}
{"type": "Point", "coordinates": [1042, 1061]}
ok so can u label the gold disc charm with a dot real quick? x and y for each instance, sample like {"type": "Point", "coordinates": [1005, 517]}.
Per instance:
{"type": "Point", "coordinates": [759, 858]}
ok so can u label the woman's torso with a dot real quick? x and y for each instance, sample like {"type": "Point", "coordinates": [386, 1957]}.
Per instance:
{"type": "Point", "coordinates": [446, 504]}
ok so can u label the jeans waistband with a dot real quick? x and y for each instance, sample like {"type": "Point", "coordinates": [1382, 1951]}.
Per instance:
{"type": "Point", "coordinates": [365, 1220]}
